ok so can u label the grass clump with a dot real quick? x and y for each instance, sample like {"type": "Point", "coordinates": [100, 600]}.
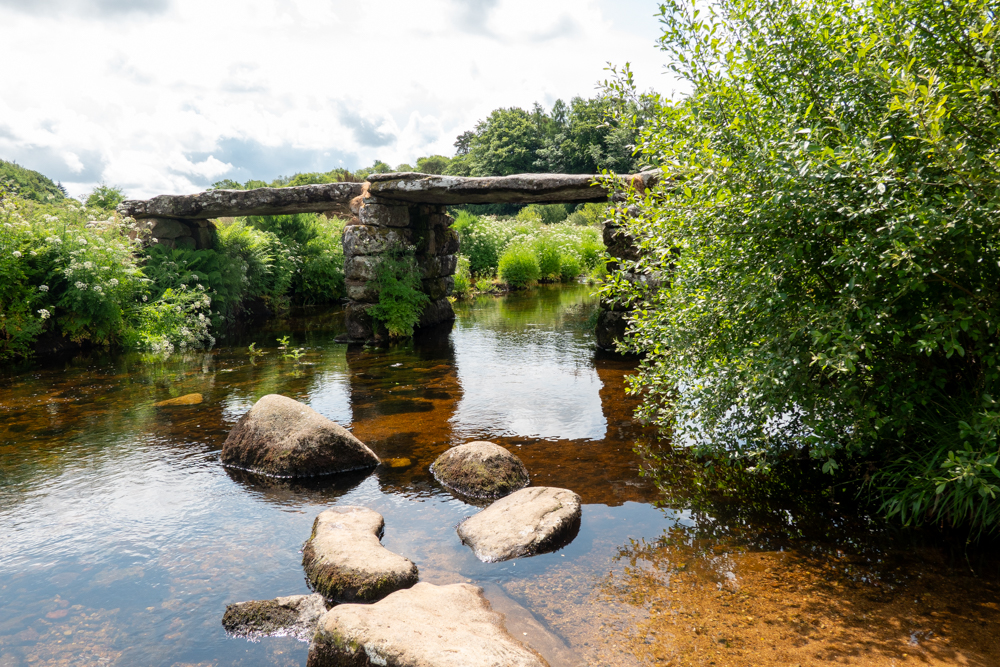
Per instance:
{"type": "Point", "coordinates": [519, 266]}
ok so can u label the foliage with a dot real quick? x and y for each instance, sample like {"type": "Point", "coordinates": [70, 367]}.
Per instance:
{"type": "Point", "coordinates": [548, 256]}
{"type": "Point", "coordinates": [583, 137]}
{"type": "Point", "coordinates": [519, 265]}
{"type": "Point", "coordinates": [590, 214]}
{"type": "Point", "coordinates": [400, 301]}
{"type": "Point", "coordinates": [178, 318]}
{"type": "Point", "coordinates": [105, 197]}
{"type": "Point", "coordinates": [434, 164]}
{"type": "Point", "coordinates": [28, 184]}
{"type": "Point", "coordinates": [463, 278]}
{"type": "Point", "coordinates": [546, 214]}
{"type": "Point", "coordinates": [220, 274]}
{"type": "Point", "coordinates": [569, 267]}
{"type": "Point", "coordinates": [320, 278]}
{"type": "Point", "coordinates": [20, 323]}
{"type": "Point", "coordinates": [830, 236]}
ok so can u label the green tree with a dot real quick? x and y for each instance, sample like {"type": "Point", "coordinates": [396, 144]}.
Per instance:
{"type": "Point", "coordinates": [434, 164]}
{"type": "Point", "coordinates": [505, 143]}
{"type": "Point", "coordinates": [830, 233]}
{"type": "Point", "coordinates": [106, 197]}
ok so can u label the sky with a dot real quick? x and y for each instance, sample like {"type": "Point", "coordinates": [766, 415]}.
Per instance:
{"type": "Point", "coordinates": [170, 96]}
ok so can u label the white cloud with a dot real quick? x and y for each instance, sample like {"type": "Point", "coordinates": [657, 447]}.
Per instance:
{"type": "Point", "coordinates": [167, 96]}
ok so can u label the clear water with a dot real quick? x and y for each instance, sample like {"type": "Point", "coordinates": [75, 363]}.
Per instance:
{"type": "Point", "coordinates": [122, 537]}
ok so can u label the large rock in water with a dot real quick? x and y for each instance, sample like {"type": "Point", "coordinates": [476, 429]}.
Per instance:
{"type": "Point", "coordinates": [480, 470]}
{"type": "Point", "coordinates": [531, 521]}
{"type": "Point", "coordinates": [280, 436]}
{"type": "Point", "coordinates": [344, 558]}
{"type": "Point", "coordinates": [291, 616]}
{"type": "Point", "coordinates": [425, 626]}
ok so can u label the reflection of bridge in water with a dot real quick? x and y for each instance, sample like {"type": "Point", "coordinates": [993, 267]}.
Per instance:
{"type": "Point", "coordinates": [388, 210]}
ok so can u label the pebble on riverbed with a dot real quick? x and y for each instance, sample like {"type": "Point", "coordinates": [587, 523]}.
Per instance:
{"type": "Point", "coordinates": [280, 436]}
{"type": "Point", "coordinates": [344, 558]}
{"type": "Point", "coordinates": [480, 470]}
{"type": "Point", "coordinates": [531, 521]}
{"type": "Point", "coordinates": [291, 616]}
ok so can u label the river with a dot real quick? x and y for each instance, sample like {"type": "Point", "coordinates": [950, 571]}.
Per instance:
{"type": "Point", "coordinates": [122, 537]}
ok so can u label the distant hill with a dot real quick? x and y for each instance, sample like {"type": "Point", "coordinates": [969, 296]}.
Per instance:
{"type": "Point", "coordinates": [29, 184]}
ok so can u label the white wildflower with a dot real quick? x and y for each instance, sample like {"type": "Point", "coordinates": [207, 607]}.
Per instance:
{"type": "Point", "coordinates": [80, 285]}
{"type": "Point", "coordinates": [98, 289]}
{"type": "Point", "coordinates": [88, 265]}
{"type": "Point", "coordinates": [44, 314]}
{"type": "Point", "coordinates": [43, 288]}
{"type": "Point", "coordinates": [17, 253]}
{"type": "Point", "coordinates": [145, 298]}
{"type": "Point", "coordinates": [113, 282]}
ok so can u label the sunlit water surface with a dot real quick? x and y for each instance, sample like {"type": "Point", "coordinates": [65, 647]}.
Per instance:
{"type": "Point", "coordinates": [122, 537]}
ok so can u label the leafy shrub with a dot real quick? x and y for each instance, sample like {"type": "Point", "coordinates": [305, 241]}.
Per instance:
{"type": "Point", "coordinates": [483, 241]}
{"type": "Point", "coordinates": [833, 244]}
{"type": "Point", "coordinates": [463, 279]}
{"type": "Point", "coordinates": [105, 197]}
{"type": "Point", "coordinates": [178, 318]}
{"type": "Point", "coordinates": [549, 257]}
{"type": "Point", "coordinates": [400, 300]}
{"type": "Point", "coordinates": [19, 323]}
{"type": "Point", "coordinates": [546, 214]}
{"type": "Point", "coordinates": [519, 265]}
{"type": "Point", "coordinates": [569, 267]}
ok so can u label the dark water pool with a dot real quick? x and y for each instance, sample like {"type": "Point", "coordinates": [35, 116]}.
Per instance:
{"type": "Point", "coordinates": [122, 537]}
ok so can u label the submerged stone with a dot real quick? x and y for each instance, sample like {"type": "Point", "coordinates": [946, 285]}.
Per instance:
{"type": "Point", "coordinates": [291, 616]}
{"type": "Point", "coordinates": [186, 399]}
{"type": "Point", "coordinates": [528, 522]}
{"type": "Point", "coordinates": [424, 626]}
{"type": "Point", "coordinates": [280, 436]}
{"type": "Point", "coordinates": [480, 470]}
{"type": "Point", "coordinates": [344, 558]}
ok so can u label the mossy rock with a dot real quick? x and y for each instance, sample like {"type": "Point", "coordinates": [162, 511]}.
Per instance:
{"type": "Point", "coordinates": [480, 470]}
{"type": "Point", "coordinates": [345, 561]}
{"type": "Point", "coordinates": [294, 615]}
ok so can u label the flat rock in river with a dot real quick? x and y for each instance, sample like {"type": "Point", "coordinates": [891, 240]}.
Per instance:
{"type": "Point", "coordinates": [481, 470]}
{"type": "Point", "coordinates": [280, 436]}
{"type": "Point", "coordinates": [344, 558]}
{"type": "Point", "coordinates": [528, 522]}
{"type": "Point", "coordinates": [424, 626]}
{"type": "Point", "coordinates": [291, 616]}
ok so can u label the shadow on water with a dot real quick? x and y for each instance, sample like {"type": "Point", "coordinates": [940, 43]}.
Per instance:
{"type": "Point", "coordinates": [125, 537]}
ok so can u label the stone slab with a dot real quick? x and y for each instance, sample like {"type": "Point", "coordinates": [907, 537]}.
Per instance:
{"type": "Point", "coordinates": [260, 201]}
{"type": "Point", "coordinates": [515, 189]}
{"type": "Point", "coordinates": [424, 626]}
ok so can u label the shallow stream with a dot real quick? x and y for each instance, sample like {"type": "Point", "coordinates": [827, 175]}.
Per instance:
{"type": "Point", "coordinates": [122, 537]}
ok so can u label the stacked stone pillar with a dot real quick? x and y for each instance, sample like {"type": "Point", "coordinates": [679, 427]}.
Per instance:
{"type": "Point", "coordinates": [380, 224]}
